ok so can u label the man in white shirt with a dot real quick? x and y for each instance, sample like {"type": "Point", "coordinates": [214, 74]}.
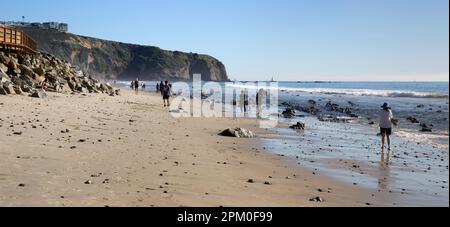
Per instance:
{"type": "Point", "coordinates": [386, 119]}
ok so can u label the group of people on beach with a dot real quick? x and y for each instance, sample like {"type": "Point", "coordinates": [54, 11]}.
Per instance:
{"type": "Point", "coordinates": [165, 89]}
{"type": "Point", "coordinates": [135, 86]}
{"type": "Point", "coordinates": [261, 96]}
{"type": "Point", "coordinates": [386, 119]}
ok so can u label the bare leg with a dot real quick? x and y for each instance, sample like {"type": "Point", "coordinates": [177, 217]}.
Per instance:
{"type": "Point", "coordinates": [389, 142]}
{"type": "Point", "coordinates": [382, 141]}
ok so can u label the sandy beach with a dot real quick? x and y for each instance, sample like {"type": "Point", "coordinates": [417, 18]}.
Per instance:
{"type": "Point", "coordinates": [97, 150]}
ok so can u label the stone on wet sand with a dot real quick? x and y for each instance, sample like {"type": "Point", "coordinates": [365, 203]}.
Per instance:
{"type": "Point", "coordinates": [426, 127]}
{"type": "Point", "coordinates": [412, 120]}
{"type": "Point", "coordinates": [298, 126]}
{"type": "Point", "coordinates": [289, 112]}
{"type": "Point", "coordinates": [316, 199]}
{"type": "Point", "coordinates": [238, 133]}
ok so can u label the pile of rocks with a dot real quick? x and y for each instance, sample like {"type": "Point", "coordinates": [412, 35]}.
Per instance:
{"type": "Point", "coordinates": [21, 74]}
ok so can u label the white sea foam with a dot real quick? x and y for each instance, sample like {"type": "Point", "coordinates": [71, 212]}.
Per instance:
{"type": "Point", "coordinates": [356, 92]}
{"type": "Point", "coordinates": [436, 140]}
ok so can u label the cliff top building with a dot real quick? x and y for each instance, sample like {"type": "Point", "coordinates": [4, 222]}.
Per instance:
{"type": "Point", "coordinates": [61, 27]}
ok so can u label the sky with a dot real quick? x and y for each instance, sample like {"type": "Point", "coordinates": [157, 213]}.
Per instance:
{"type": "Point", "coordinates": [291, 40]}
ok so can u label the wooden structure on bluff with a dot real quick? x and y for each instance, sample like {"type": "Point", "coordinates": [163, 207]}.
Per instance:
{"type": "Point", "coordinates": [14, 40]}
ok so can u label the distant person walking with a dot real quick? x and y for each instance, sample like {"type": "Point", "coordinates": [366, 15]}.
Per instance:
{"type": "Point", "coordinates": [166, 93]}
{"type": "Point", "coordinates": [241, 101]}
{"type": "Point", "coordinates": [157, 88]}
{"type": "Point", "coordinates": [136, 86]}
{"type": "Point", "coordinates": [161, 86]}
{"type": "Point", "coordinates": [386, 121]}
{"type": "Point", "coordinates": [260, 101]}
{"type": "Point", "coordinates": [143, 86]}
{"type": "Point", "coordinates": [246, 101]}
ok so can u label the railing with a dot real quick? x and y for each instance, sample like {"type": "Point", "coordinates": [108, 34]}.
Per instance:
{"type": "Point", "coordinates": [14, 40]}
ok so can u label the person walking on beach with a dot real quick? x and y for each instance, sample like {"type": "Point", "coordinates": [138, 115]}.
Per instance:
{"type": "Point", "coordinates": [136, 86]}
{"type": "Point", "coordinates": [386, 121]}
{"type": "Point", "coordinates": [260, 101]}
{"type": "Point", "coordinates": [157, 87]}
{"type": "Point", "coordinates": [245, 99]}
{"type": "Point", "coordinates": [161, 86]}
{"type": "Point", "coordinates": [166, 92]}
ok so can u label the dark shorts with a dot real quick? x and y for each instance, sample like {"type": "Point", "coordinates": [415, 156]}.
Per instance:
{"type": "Point", "coordinates": [387, 131]}
{"type": "Point", "coordinates": [166, 97]}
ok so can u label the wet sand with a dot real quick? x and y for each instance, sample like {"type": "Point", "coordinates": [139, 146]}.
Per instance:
{"type": "Point", "coordinates": [412, 174]}
{"type": "Point", "coordinates": [97, 150]}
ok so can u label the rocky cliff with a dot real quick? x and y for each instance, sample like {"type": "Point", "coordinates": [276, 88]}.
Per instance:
{"type": "Point", "coordinates": [119, 61]}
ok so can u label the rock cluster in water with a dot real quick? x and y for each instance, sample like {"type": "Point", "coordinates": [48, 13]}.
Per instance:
{"type": "Point", "coordinates": [26, 74]}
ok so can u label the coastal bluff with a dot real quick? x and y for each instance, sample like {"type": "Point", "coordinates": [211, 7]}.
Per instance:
{"type": "Point", "coordinates": [109, 60]}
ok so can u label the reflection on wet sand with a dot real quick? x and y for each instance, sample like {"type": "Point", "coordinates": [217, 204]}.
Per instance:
{"type": "Point", "coordinates": [384, 171]}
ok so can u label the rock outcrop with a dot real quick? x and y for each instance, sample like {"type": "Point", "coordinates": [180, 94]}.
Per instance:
{"type": "Point", "coordinates": [119, 61]}
{"type": "Point", "coordinates": [35, 74]}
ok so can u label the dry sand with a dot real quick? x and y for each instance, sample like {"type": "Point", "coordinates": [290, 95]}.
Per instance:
{"type": "Point", "coordinates": [97, 150]}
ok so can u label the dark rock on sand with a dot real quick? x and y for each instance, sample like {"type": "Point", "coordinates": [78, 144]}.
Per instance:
{"type": "Point", "coordinates": [289, 112]}
{"type": "Point", "coordinates": [316, 199]}
{"type": "Point", "coordinates": [426, 127]}
{"type": "Point", "coordinates": [250, 181]}
{"type": "Point", "coordinates": [238, 133]}
{"type": "Point", "coordinates": [413, 120]}
{"type": "Point", "coordinates": [298, 126]}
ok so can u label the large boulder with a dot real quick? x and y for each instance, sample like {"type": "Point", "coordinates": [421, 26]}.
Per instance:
{"type": "Point", "coordinates": [9, 88]}
{"type": "Point", "coordinates": [4, 59]}
{"type": "Point", "coordinates": [39, 71]}
{"type": "Point", "coordinates": [40, 93]}
{"type": "Point", "coordinates": [238, 133]}
{"type": "Point", "coordinates": [25, 70]}
{"type": "Point", "coordinates": [12, 65]}
{"type": "Point", "coordinates": [29, 81]}
{"type": "Point", "coordinates": [3, 68]}
{"type": "Point", "coordinates": [2, 91]}
{"type": "Point", "coordinates": [4, 77]}
{"type": "Point", "coordinates": [26, 88]}
{"type": "Point", "coordinates": [17, 89]}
